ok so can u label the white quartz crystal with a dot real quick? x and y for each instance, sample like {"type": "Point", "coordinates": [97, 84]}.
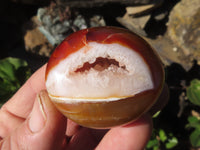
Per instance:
{"type": "Point", "coordinates": [129, 77]}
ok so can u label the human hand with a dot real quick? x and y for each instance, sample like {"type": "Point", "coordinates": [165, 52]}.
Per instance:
{"type": "Point", "coordinates": [30, 121]}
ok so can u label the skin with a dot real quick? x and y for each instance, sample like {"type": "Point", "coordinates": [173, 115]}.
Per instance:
{"type": "Point", "coordinates": [30, 121]}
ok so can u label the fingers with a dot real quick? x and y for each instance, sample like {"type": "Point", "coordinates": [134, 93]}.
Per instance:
{"type": "Point", "coordinates": [43, 129]}
{"type": "Point", "coordinates": [131, 137]}
{"type": "Point", "coordinates": [8, 122]}
{"type": "Point", "coordinates": [86, 139]}
{"type": "Point", "coordinates": [72, 128]}
{"type": "Point", "coordinates": [22, 102]}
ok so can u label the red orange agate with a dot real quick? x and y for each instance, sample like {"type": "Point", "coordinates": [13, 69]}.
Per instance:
{"type": "Point", "coordinates": [103, 114]}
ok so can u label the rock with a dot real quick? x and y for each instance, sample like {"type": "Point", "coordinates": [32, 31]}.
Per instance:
{"type": "Point", "coordinates": [52, 25]}
{"type": "Point", "coordinates": [140, 10]}
{"type": "Point", "coordinates": [80, 22]}
{"type": "Point", "coordinates": [97, 21]}
{"type": "Point", "coordinates": [36, 43]}
{"type": "Point", "coordinates": [136, 17]}
{"type": "Point", "coordinates": [134, 24]}
{"type": "Point", "coordinates": [184, 27]}
{"type": "Point", "coordinates": [57, 22]}
{"type": "Point", "coordinates": [161, 16]}
{"type": "Point", "coordinates": [169, 52]}
{"type": "Point", "coordinates": [181, 42]}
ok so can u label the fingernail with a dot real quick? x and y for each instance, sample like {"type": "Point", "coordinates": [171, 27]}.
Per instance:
{"type": "Point", "coordinates": [37, 118]}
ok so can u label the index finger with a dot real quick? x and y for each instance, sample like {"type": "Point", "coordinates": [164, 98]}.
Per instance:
{"type": "Point", "coordinates": [22, 102]}
{"type": "Point", "coordinates": [133, 136]}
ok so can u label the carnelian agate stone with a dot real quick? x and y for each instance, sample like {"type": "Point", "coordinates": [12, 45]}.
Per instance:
{"type": "Point", "coordinates": [104, 77]}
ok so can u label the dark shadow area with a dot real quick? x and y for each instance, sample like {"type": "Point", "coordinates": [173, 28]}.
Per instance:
{"type": "Point", "coordinates": [157, 25]}
{"type": "Point", "coordinates": [172, 118]}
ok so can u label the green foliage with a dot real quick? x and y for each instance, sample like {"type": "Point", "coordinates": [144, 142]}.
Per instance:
{"type": "Point", "coordinates": [194, 123]}
{"type": "Point", "coordinates": [156, 114]}
{"type": "Point", "coordinates": [172, 141]}
{"type": "Point", "coordinates": [153, 144]}
{"type": "Point", "coordinates": [161, 139]}
{"type": "Point", "coordinates": [193, 92]}
{"type": "Point", "coordinates": [13, 73]}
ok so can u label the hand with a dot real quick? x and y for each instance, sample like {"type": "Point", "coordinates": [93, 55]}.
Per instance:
{"type": "Point", "coordinates": [30, 121]}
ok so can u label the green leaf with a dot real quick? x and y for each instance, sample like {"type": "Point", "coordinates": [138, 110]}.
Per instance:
{"type": "Point", "coordinates": [153, 144]}
{"type": "Point", "coordinates": [156, 114]}
{"type": "Point", "coordinates": [7, 70]}
{"type": "Point", "coordinates": [194, 122]}
{"type": "Point", "coordinates": [13, 73]}
{"type": "Point", "coordinates": [193, 119]}
{"type": "Point", "coordinates": [156, 148]}
{"type": "Point", "coordinates": [195, 138]}
{"type": "Point", "coordinates": [17, 63]}
{"type": "Point", "coordinates": [193, 92]}
{"type": "Point", "coordinates": [171, 143]}
{"type": "Point", "coordinates": [162, 135]}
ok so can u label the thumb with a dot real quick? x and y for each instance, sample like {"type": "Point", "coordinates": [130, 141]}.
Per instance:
{"type": "Point", "coordinates": [44, 128]}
